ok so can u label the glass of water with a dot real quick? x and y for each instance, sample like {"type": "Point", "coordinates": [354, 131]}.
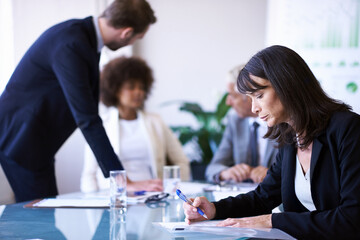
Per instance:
{"type": "Point", "coordinates": [171, 180]}
{"type": "Point", "coordinates": [118, 189]}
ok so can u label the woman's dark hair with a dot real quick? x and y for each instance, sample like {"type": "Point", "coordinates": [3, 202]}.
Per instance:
{"type": "Point", "coordinates": [308, 106]}
{"type": "Point", "coordinates": [137, 14]}
{"type": "Point", "coordinates": [121, 70]}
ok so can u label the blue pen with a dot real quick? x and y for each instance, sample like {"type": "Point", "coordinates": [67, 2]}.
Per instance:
{"type": "Point", "coordinates": [139, 193]}
{"type": "Point", "coordinates": [185, 199]}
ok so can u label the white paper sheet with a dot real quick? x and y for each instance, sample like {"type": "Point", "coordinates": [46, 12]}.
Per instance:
{"type": "Point", "coordinates": [221, 195]}
{"type": "Point", "coordinates": [192, 188]}
{"type": "Point", "coordinates": [210, 227]}
{"type": "Point", "coordinates": [89, 200]}
{"type": "Point", "coordinates": [57, 202]}
{"type": "Point", "coordinates": [2, 208]}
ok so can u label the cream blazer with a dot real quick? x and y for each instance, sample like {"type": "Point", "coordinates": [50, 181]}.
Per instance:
{"type": "Point", "coordinates": [163, 144]}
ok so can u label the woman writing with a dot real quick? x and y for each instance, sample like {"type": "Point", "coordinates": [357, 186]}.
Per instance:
{"type": "Point", "coordinates": [141, 139]}
{"type": "Point", "coordinates": [316, 172]}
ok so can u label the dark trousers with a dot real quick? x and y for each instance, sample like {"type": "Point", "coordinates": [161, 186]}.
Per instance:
{"type": "Point", "coordinates": [29, 184]}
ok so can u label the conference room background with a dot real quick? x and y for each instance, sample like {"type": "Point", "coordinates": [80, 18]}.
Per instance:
{"type": "Point", "coordinates": [192, 47]}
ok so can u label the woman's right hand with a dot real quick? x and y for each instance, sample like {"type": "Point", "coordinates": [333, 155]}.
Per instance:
{"type": "Point", "coordinates": [191, 214]}
{"type": "Point", "coordinates": [152, 185]}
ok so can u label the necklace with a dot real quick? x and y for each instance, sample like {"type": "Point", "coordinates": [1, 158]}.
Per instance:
{"type": "Point", "coordinates": [298, 144]}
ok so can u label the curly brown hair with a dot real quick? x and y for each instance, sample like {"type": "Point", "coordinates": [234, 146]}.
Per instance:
{"type": "Point", "coordinates": [121, 70]}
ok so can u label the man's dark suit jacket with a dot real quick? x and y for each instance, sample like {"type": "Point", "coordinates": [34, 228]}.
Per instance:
{"type": "Point", "coordinates": [53, 90]}
{"type": "Point", "coordinates": [335, 187]}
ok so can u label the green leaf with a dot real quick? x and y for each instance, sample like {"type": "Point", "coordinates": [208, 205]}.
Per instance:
{"type": "Point", "coordinates": [204, 144]}
{"type": "Point", "coordinates": [185, 134]}
{"type": "Point", "coordinates": [196, 110]}
{"type": "Point", "coordinates": [351, 87]}
{"type": "Point", "coordinates": [211, 128]}
{"type": "Point", "coordinates": [191, 107]}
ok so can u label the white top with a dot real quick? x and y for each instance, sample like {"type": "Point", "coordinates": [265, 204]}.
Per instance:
{"type": "Point", "coordinates": [262, 142]}
{"type": "Point", "coordinates": [165, 148]}
{"type": "Point", "coordinates": [303, 187]}
{"type": "Point", "coordinates": [135, 150]}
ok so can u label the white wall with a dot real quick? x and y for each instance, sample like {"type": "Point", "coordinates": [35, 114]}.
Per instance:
{"type": "Point", "coordinates": [193, 46]}
{"type": "Point", "coordinates": [190, 48]}
{"type": "Point", "coordinates": [6, 42]}
{"type": "Point", "coordinates": [31, 18]}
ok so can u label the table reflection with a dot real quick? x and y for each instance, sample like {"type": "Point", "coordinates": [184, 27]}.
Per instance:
{"type": "Point", "coordinates": [136, 223]}
{"type": "Point", "coordinates": [117, 224]}
{"type": "Point", "coordinates": [18, 224]}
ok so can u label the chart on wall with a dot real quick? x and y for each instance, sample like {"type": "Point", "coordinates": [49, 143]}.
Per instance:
{"type": "Point", "coordinates": [326, 33]}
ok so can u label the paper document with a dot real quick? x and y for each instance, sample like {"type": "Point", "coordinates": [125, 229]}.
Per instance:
{"type": "Point", "coordinates": [131, 198]}
{"type": "Point", "coordinates": [193, 188]}
{"type": "Point", "coordinates": [228, 187]}
{"type": "Point", "coordinates": [230, 190]}
{"type": "Point", "coordinates": [221, 195]}
{"type": "Point", "coordinates": [95, 200]}
{"type": "Point", "coordinates": [77, 203]}
{"type": "Point", "coordinates": [210, 227]}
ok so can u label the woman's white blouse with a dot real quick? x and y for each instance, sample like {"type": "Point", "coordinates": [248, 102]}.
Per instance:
{"type": "Point", "coordinates": [158, 145]}
{"type": "Point", "coordinates": [303, 187]}
{"type": "Point", "coordinates": [135, 153]}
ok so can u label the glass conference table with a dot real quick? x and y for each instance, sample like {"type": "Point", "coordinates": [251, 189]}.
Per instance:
{"type": "Point", "coordinates": [18, 222]}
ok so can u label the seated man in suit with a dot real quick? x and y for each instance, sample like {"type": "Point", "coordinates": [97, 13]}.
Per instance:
{"type": "Point", "coordinates": [235, 160]}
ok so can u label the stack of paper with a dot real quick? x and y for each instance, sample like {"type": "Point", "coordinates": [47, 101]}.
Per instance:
{"type": "Point", "coordinates": [95, 200]}
{"type": "Point", "coordinates": [76, 203]}
{"type": "Point", "coordinates": [210, 227]}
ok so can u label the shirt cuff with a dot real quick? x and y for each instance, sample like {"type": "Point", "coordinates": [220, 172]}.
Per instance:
{"type": "Point", "coordinates": [216, 178]}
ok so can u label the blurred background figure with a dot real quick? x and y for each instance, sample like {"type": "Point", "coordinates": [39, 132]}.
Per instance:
{"type": "Point", "coordinates": [243, 153]}
{"type": "Point", "coordinates": [141, 139]}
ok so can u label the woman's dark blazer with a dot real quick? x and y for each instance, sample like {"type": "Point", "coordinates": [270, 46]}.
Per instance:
{"type": "Point", "coordinates": [53, 90]}
{"type": "Point", "coordinates": [335, 187]}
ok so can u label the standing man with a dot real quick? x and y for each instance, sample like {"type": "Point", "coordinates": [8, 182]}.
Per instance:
{"type": "Point", "coordinates": [233, 160]}
{"type": "Point", "coordinates": [55, 89]}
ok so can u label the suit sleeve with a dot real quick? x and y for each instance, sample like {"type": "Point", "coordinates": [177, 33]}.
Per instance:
{"type": "Point", "coordinates": [262, 200]}
{"type": "Point", "coordinates": [223, 157]}
{"type": "Point", "coordinates": [343, 221]}
{"type": "Point", "coordinates": [73, 71]}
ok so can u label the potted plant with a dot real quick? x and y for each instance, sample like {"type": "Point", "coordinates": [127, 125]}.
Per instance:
{"type": "Point", "coordinates": [206, 137]}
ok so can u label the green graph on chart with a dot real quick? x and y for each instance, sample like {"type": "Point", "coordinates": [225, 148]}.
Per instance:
{"type": "Point", "coordinates": [354, 27]}
{"type": "Point", "coordinates": [329, 24]}
{"type": "Point", "coordinates": [343, 30]}
{"type": "Point", "coordinates": [326, 33]}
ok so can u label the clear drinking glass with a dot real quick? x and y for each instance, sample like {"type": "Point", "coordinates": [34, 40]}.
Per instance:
{"type": "Point", "coordinates": [171, 180]}
{"type": "Point", "coordinates": [118, 189]}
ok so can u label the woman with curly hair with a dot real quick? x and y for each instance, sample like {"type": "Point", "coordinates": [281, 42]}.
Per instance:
{"type": "Point", "coordinates": [141, 139]}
